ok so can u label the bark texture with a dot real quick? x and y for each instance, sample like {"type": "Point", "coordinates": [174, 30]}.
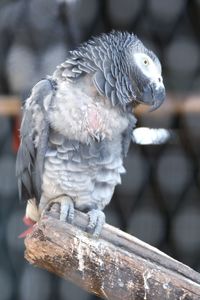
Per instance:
{"type": "Point", "coordinates": [115, 266]}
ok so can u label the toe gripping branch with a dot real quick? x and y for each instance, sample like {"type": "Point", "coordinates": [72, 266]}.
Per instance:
{"type": "Point", "coordinates": [65, 207]}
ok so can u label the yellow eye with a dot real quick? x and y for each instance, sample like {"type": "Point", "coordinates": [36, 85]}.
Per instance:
{"type": "Point", "coordinates": [146, 62]}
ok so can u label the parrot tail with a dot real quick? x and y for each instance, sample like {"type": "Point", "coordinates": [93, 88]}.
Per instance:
{"type": "Point", "coordinates": [31, 217]}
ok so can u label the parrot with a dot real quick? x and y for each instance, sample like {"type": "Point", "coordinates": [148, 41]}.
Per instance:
{"type": "Point", "coordinates": [77, 126]}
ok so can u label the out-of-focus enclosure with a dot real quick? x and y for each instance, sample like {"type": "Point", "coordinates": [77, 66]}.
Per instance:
{"type": "Point", "coordinates": [159, 199]}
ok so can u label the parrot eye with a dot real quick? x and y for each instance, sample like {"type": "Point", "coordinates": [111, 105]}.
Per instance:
{"type": "Point", "coordinates": [146, 62]}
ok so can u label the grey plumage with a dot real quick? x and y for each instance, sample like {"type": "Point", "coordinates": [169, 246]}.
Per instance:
{"type": "Point", "coordinates": [33, 146]}
{"type": "Point", "coordinates": [77, 125]}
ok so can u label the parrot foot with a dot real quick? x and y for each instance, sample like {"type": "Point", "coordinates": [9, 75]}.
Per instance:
{"type": "Point", "coordinates": [66, 208]}
{"type": "Point", "coordinates": [96, 222]}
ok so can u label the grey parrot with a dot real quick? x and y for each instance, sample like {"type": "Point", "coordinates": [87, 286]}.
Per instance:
{"type": "Point", "coordinates": [77, 126]}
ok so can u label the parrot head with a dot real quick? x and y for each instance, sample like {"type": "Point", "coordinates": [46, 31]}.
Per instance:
{"type": "Point", "coordinates": [146, 75]}
{"type": "Point", "coordinates": [123, 69]}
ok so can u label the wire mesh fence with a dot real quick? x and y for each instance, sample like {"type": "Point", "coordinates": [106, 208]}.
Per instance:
{"type": "Point", "coordinates": [159, 199]}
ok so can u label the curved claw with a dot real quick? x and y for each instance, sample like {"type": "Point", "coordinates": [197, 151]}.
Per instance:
{"type": "Point", "coordinates": [96, 222]}
{"type": "Point", "coordinates": [66, 210]}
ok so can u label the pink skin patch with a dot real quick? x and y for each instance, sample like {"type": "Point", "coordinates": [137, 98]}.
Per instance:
{"type": "Point", "coordinates": [94, 120]}
{"type": "Point", "coordinates": [95, 124]}
{"type": "Point", "coordinates": [28, 222]}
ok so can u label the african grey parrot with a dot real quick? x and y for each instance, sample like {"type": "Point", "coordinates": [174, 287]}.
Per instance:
{"type": "Point", "coordinates": [77, 126]}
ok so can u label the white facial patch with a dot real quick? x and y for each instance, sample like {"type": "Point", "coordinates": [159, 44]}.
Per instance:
{"type": "Point", "coordinates": [148, 67]}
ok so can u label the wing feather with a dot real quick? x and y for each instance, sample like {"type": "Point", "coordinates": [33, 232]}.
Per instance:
{"type": "Point", "coordinates": [34, 138]}
{"type": "Point", "coordinates": [128, 134]}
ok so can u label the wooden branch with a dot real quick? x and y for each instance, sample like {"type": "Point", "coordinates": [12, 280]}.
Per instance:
{"type": "Point", "coordinates": [10, 106]}
{"type": "Point", "coordinates": [115, 266]}
{"type": "Point", "coordinates": [174, 104]}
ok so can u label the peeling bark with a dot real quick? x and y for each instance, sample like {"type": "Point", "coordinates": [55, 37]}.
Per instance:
{"type": "Point", "coordinates": [115, 266]}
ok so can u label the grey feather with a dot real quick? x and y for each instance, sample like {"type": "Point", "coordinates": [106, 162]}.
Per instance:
{"type": "Point", "coordinates": [71, 145]}
{"type": "Point", "coordinates": [128, 134]}
{"type": "Point", "coordinates": [99, 81]}
{"type": "Point", "coordinates": [108, 90]}
{"type": "Point", "coordinates": [113, 98]}
{"type": "Point", "coordinates": [30, 158]}
{"type": "Point", "coordinates": [84, 68]}
{"type": "Point", "coordinates": [56, 138]}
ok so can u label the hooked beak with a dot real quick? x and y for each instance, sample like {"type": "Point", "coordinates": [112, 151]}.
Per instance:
{"type": "Point", "coordinates": [158, 99]}
{"type": "Point", "coordinates": [154, 96]}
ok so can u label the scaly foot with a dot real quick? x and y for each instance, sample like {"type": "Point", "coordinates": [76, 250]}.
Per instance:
{"type": "Point", "coordinates": [96, 222]}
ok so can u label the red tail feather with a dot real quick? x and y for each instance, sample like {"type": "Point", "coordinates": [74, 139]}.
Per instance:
{"type": "Point", "coordinates": [28, 222]}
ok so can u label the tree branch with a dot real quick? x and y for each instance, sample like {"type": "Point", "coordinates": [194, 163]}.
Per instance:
{"type": "Point", "coordinates": [11, 106]}
{"type": "Point", "coordinates": [115, 266]}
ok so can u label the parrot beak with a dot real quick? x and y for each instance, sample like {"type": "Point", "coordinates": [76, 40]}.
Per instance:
{"type": "Point", "coordinates": [159, 97]}
{"type": "Point", "coordinates": [154, 96]}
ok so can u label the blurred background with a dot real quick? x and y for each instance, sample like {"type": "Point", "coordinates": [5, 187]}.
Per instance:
{"type": "Point", "coordinates": [159, 199]}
